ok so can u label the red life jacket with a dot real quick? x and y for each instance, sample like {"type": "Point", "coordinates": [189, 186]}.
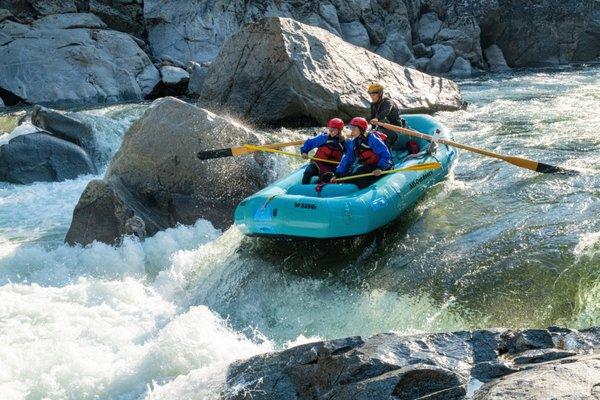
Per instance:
{"type": "Point", "coordinates": [332, 150]}
{"type": "Point", "coordinates": [364, 152]}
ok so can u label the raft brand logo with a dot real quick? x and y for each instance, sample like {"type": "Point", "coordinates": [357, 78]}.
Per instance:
{"type": "Point", "coordinates": [307, 206]}
{"type": "Point", "coordinates": [420, 179]}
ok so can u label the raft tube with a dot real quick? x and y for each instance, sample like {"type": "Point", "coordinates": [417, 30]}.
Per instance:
{"type": "Point", "coordinates": [288, 209]}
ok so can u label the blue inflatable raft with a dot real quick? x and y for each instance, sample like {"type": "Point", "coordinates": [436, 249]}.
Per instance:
{"type": "Point", "coordinates": [289, 209]}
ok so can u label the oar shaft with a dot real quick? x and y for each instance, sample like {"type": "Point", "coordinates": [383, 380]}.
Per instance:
{"type": "Point", "coordinates": [518, 161]}
{"type": "Point", "coordinates": [287, 153]}
{"type": "Point", "coordinates": [417, 167]}
{"type": "Point", "coordinates": [239, 151]}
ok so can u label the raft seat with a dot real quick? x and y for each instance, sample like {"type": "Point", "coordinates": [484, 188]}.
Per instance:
{"type": "Point", "coordinates": [337, 190]}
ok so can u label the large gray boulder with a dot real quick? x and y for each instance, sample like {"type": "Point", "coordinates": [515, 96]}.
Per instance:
{"type": "Point", "coordinates": [66, 59]}
{"type": "Point", "coordinates": [280, 71]}
{"type": "Point", "coordinates": [39, 157]}
{"type": "Point", "coordinates": [528, 364]}
{"type": "Point", "coordinates": [155, 180]}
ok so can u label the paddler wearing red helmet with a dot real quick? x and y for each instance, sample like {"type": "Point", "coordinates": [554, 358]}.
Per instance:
{"type": "Point", "coordinates": [369, 150]}
{"type": "Point", "coordinates": [330, 145]}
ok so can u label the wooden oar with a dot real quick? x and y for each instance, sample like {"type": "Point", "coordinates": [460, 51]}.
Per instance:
{"type": "Point", "coordinates": [241, 150]}
{"type": "Point", "coordinates": [518, 161]}
{"type": "Point", "coordinates": [416, 167]}
{"type": "Point", "coordinates": [272, 150]}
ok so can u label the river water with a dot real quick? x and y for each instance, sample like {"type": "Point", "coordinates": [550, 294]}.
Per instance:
{"type": "Point", "coordinates": [493, 246]}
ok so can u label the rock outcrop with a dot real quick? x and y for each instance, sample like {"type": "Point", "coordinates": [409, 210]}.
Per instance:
{"type": "Point", "coordinates": [36, 157]}
{"type": "Point", "coordinates": [570, 378]}
{"type": "Point", "coordinates": [529, 33]}
{"type": "Point", "coordinates": [545, 33]}
{"type": "Point", "coordinates": [125, 16]}
{"type": "Point", "coordinates": [431, 366]}
{"type": "Point", "coordinates": [155, 180]}
{"type": "Point", "coordinates": [382, 27]}
{"type": "Point", "coordinates": [280, 71]}
{"type": "Point", "coordinates": [495, 59]}
{"type": "Point", "coordinates": [68, 59]}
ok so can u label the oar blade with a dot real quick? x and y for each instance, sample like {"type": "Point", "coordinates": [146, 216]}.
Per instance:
{"type": "Point", "coordinates": [551, 169]}
{"type": "Point", "coordinates": [218, 153]}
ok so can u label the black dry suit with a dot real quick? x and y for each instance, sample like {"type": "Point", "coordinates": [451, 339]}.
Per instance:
{"type": "Point", "coordinates": [387, 110]}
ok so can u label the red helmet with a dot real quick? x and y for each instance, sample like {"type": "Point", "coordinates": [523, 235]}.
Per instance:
{"type": "Point", "coordinates": [360, 122]}
{"type": "Point", "coordinates": [335, 123]}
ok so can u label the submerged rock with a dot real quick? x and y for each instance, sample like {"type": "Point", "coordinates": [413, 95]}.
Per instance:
{"type": "Point", "coordinates": [157, 178]}
{"type": "Point", "coordinates": [432, 366]}
{"type": "Point", "coordinates": [280, 71]}
{"type": "Point", "coordinates": [65, 59]}
{"type": "Point", "coordinates": [36, 157]}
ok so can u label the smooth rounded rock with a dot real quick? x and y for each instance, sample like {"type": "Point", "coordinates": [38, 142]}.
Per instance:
{"type": "Point", "coordinates": [442, 60]}
{"type": "Point", "coordinates": [40, 157]}
{"type": "Point", "coordinates": [72, 66]}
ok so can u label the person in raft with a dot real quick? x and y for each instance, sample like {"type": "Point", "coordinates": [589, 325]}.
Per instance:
{"type": "Point", "coordinates": [385, 109]}
{"type": "Point", "coordinates": [330, 145]}
{"type": "Point", "coordinates": [369, 149]}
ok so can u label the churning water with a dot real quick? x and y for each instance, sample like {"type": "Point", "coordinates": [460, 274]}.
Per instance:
{"type": "Point", "coordinates": [493, 246]}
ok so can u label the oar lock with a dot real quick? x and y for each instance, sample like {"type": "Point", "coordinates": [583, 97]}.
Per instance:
{"type": "Point", "coordinates": [433, 146]}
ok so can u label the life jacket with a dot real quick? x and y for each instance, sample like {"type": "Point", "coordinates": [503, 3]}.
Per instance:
{"type": "Point", "coordinates": [365, 153]}
{"type": "Point", "coordinates": [331, 150]}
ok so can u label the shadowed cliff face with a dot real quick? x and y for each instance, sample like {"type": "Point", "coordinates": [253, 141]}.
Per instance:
{"type": "Point", "coordinates": [440, 36]}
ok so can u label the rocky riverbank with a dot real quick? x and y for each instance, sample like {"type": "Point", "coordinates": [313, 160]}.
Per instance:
{"type": "Point", "coordinates": [98, 51]}
{"type": "Point", "coordinates": [488, 364]}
